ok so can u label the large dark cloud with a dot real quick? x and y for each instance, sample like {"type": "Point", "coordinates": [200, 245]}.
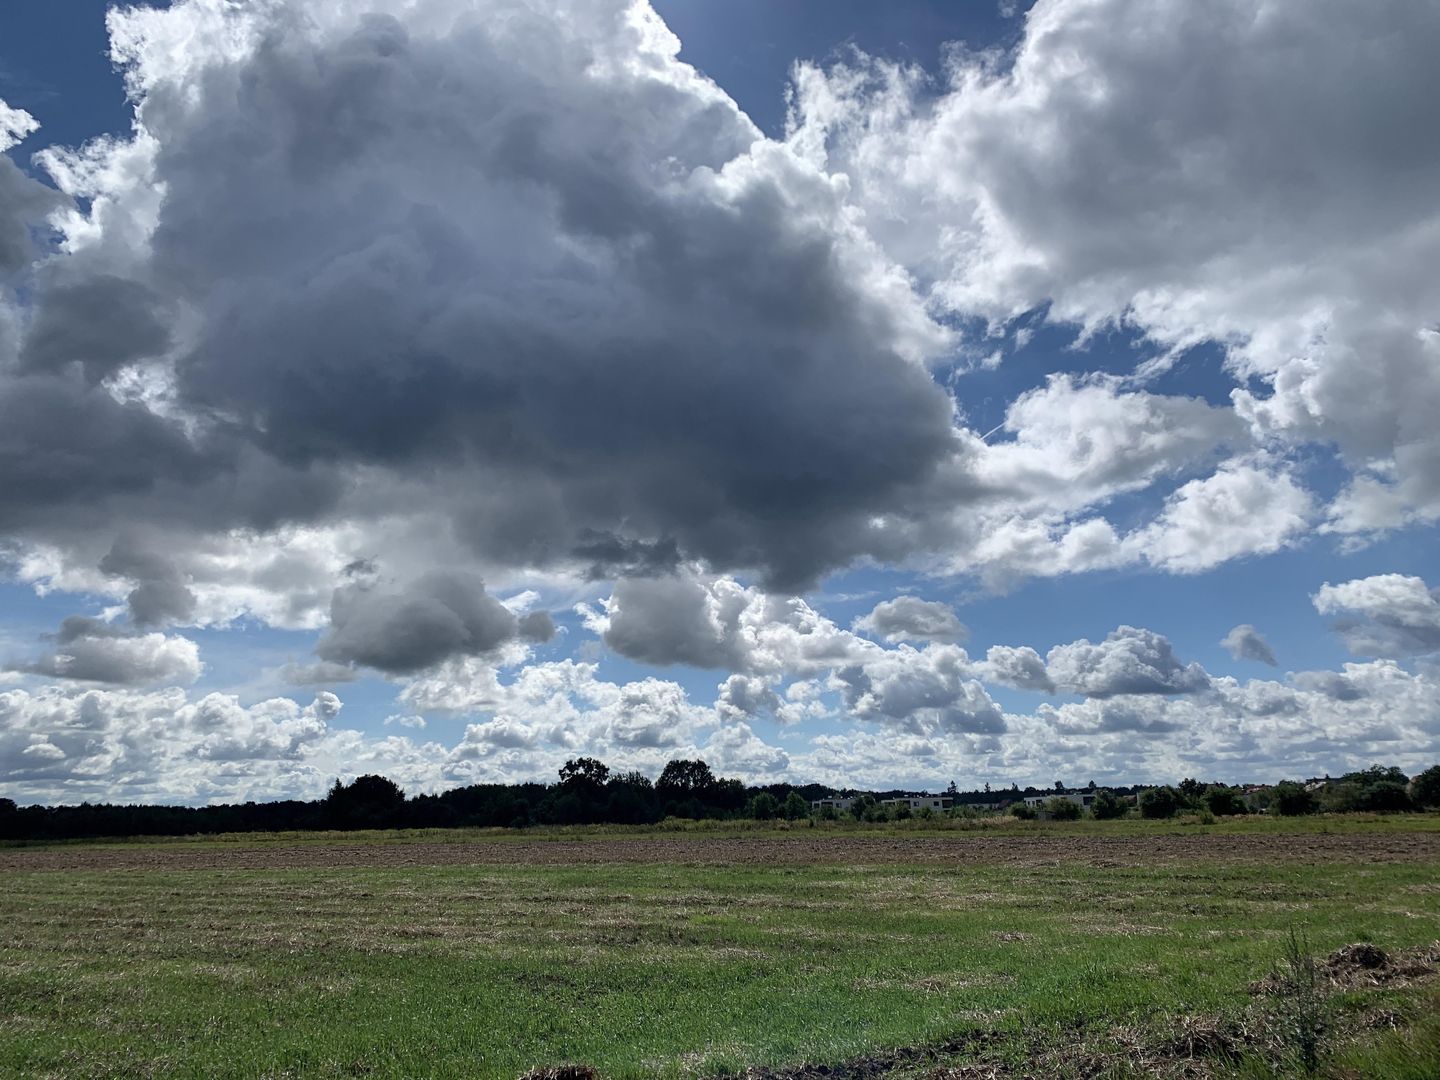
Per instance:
{"type": "Point", "coordinates": [441, 615]}
{"type": "Point", "coordinates": [530, 262]}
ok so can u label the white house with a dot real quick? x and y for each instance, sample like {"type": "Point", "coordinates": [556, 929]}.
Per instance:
{"type": "Point", "coordinates": [934, 802]}
{"type": "Point", "coordinates": [1082, 799]}
{"type": "Point", "coordinates": [837, 803]}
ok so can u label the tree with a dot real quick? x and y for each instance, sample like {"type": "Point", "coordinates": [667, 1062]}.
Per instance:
{"type": "Point", "coordinates": [1108, 805]}
{"type": "Point", "coordinates": [1425, 788]}
{"type": "Point", "coordinates": [1225, 801]}
{"type": "Point", "coordinates": [763, 806]}
{"type": "Point", "coordinates": [1062, 809]}
{"type": "Point", "coordinates": [1160, 802]}
{"type": "Point", "coordinates": [795, 807]}
{"type": "Point", "coordinates": [1291, 799]}
{"type": "Point", "coordinates": [1384, 797]}
{"type": "Point", "coordinates": [1022, 810]}
{"type": "Point", "coordinates": [1192, 791]}
{"type": "Point", "coordinates": [862, 806]}
{"type": "Point", "coordinates": [367, 802]}
{"type": "Point", "coordinates": [683, 777]}
{"type": "Point", "coordinates": [584, 772]}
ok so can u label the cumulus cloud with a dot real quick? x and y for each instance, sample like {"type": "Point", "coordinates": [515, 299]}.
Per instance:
{"type": "Point", "coordinates": [1398, 614]}
{"type": "Point", "coordinates": [91, 650]}
{"type": "Point", "coordinates": [1021, 668]}
{"type": "Point", "coordinates": [1249, 178]}
{"type": "Point", "coordinates": [1244, 642]}
{"type": "Point", "coordinates": [438, 616]}
{"type": "Point", "coordinates": [909, 618]}
{"type": "Point", "coordinates": [1129, 661]}
{"type": "Point", "coordinates": [1242, 509]}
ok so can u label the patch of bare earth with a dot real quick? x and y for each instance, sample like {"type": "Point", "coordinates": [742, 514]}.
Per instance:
{"type": "Point", "coordinates": [938, 849]}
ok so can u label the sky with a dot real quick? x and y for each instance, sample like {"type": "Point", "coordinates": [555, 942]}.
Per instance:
{"type": "Point", "coordinates": [876, 395]}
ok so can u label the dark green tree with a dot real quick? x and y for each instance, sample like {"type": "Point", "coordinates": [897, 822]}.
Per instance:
{"type": "Point", "coordinates": [1160, 802]}
{"type": "Point", "coordinates": [764, 807]}
{"type": "Point", "coordinates": [1425, 788]}
{"type": "Point", "coordinates": [1225, 801]}
{"type": "Point", "coordinates": [1290, 799]}
{"type": "Point", "coordinates": [584, 772]}
{"type": "Point", "coordinates": [367, 802]}
{"type": "Point", "coordinates": [1063, 809]}
{"type": "Point", "coordinates": [1108, 805]}
{"type": "Point", "coordinates": [796, 807]}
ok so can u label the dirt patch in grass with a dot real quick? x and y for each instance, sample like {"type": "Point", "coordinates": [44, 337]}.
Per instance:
{"type": "Point", "coordinates": [1363, 966]}
{"type": "Point", "coordinates": [794, 849]}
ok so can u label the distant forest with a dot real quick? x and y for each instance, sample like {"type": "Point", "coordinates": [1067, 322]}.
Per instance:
{"type": "Point", "coordinates": [588, 792]}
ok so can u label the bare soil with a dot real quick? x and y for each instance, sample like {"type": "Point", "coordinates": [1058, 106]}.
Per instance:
{"type": "Point", "coordinates": [942, 849]}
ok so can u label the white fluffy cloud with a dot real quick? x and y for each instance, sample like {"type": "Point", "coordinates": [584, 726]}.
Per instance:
{"type": "Point", "coordinates": [1129, 661]}
{"type": "Point", "coordinates": [1400, 615]}
{"type": "Point", "coordinates": [1260, 178]}
{"type": "Point", "coordinates": [909, 618]}
{"type": "Point", "coordinates": [89, 650]}
{"type": "Point", "coordinates": [384, 298]}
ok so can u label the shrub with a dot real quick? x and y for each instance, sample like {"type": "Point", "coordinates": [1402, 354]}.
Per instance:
{"type": "Point", "coordinates": [763, 807]}
{"type": "Point", "coordinates": [1225, 802]}
{"type": "Point", "coordinates": [861, 808]}
{"type": "Point", "coordinates": [1290, 799]}
{"type": "Point", "coordinates": [1062, 809]}
{"type": "Point", "coordinates": [1022, 810]}
{"type": "Point", "coordinates": [1425, 788]}
{"type": "Point", "coordinates": [1159, 802]}
{"type": "Point", "coordinates": [796, 807]}
{"type": "Point", "coordinates": [1108, 805]}
{"type": "Point", "coordinates": [1384, 797]}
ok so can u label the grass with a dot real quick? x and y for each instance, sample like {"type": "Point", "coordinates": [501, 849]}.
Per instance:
{"type": "Point", "coordinates": [989, 824]}
{"type": "Point", "coordinates": [655, 969]}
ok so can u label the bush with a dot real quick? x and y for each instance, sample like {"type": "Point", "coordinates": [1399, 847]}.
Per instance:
{"type": "Point", "coordinates": [763, 807]}
{"type": "Point", "coordinates": [1108, 805]}
{"type": "Point", "coordinates": [863, 806]}
{"type": "Point", "coordinates": [1385, 797]}
{"type": "Point", "coordinates": [1290, 799]}
{"type": "Point", "coordinates": [1425, 788]}
{"type": "Point", "coordinates": [1022, 810]}
{"type": "Point", "coordinates": [1062, 809]}
{"type": "Point", "coordinates": [796, 807]}
{"type": "Point", "coordinates": [1225, 802]}
{"type": "Point", "coordinates": [1160, 802]}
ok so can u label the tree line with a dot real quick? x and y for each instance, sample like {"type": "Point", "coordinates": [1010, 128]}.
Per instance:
{"type": "Point", "coordinates": [589, 792]}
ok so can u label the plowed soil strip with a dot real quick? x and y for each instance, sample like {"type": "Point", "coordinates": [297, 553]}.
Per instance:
{"type": "Point", "coordinates": [932, 850]}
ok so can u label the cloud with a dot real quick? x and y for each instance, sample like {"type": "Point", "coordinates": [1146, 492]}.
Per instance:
{"type": "Point", "coordinates": [15, 125]}
{"type": "Point", "coordinates": [404, 630]}
{"type": "Point", "coordinates": [1244, 642]}
{"type": "Point", "coordinates": [908, 618]}
{"type": "Point", "coordinates": [1242, 509]}
{"type": "Point", "coordinates": [553, 318]}
{"type": "Point", "coordinates": [1258, 179]}
{"type": "Point", "coordinates": [1021, 668]}
{"type": "Point", "coordinates": [1400, 615]}
{"type": "Point", "coordinates": [89, 650]}
{"type": "Point", "coordinates": [1129, 661]}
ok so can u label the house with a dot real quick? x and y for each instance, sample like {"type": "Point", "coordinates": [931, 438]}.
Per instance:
{"type": "Point", "coordinates": [837, 803]}
{"type": "Point", "coordinates": [933, 802]}
{"type": "Point", "coordinates": [1082, 799]}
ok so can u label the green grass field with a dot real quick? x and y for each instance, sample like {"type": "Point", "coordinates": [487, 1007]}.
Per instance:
{"type": "Point", "coordinates": [683, 968]}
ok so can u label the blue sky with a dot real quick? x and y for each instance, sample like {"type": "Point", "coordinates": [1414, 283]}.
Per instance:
{"type": "Point", "coordinates": [476, 363]}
